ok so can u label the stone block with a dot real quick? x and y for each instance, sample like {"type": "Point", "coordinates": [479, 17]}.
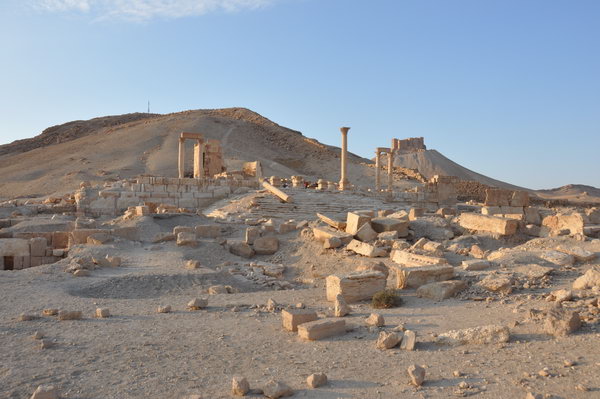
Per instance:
{"type": "Point", "coordinates": [14, 247]}
{"type": "Point", "coordinates": [38, 246]}
{"type": "Point", "coordinates": [36, 261]}
{"type": "Point", "coordinates": [324, 328]}
{"type": "Point", "coordinates": [208, 231]}
{"type": "Point", "coordinates": [365, 249]}
{"type": "Point", "coordinates": [492, 224]}
{"type": "Point", "coordinates": [416, 276]}
{"type": "Point", "coordinates": [381, 225]}
{"type": "Point", "coordinates": [414, 213]}
{"type": "Point", "coordinates": [252, 233]}
{"type": "Point", "coordinates": [323, 233]}
{"type": "Point", "coordinates": [498, 197]}
{"type": "Point", "coordinates": [573, 222]}
{"type": "Point", "coordinates": [475, 264]}
{"type": "Point", "coordinates": [366, 233]}
{"type": "Point", "coordinates": [240, 248]}
{"type": "Point", "coordinates": [406, 258]}
{"type": "Point", "coordinates": [354, 221]}
{"type": "Point", "coordinates": [182, 229]}
{"type": "Point", "coordinates": [355, 287]}
{"type": "Point", "coordinates": [187, 239]}
{"type": "Point", "coordinates": [519, 198]}
{"type": "Point", "coordinates": [266, 245]}
{"type": "Point", "coordinates": [532, 215]}
{"type": "Point", "coordinates": [441, 290]}
{"type": "Point", "coordinates": [292, 318]}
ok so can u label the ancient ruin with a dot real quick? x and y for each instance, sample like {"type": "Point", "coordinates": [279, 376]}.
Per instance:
{"type": "Point", "coordinates": [233, 271]}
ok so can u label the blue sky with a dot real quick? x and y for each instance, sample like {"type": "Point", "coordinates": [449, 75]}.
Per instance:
{"type": "Point", "coordinates": [510, 89]}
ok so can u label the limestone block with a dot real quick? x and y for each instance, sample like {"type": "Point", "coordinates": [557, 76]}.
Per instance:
{"type": "Point", "coordinates": [414, 213]}
{"type": "Point", "coordinates": [45, 392]}
{"type": "Point", "coordinates": [493, 224]}
{"type": "Point", "coordinates": [287, 227]}
{"type": "Point", "coordinates": [375, 319]}
{"type": "Point", "coordinates": [572, 222]}
{"type": "Point", "coordinates": [197, 304]}
{"type": "Point", "coordinates": [323, 233]}
{"type": "Point", "coordinates": [557, 257]}
{"type": "Point", "coordinates": [390, 224]}
{"type": "Point", "coordinates": [316, 380]}
{"type": "Point", "coordinates": [366, 233]}
{"type": "Point", "coordinates": [324, 328]}
{"type": "Point", "coordinates": [240, 248]}
{"type": "Point", "coordinates": [590, 279]}
{"type": "Point", "coordinates": [60, 239]}
{"type": "Point", "coordinates": [77, 237]}
{"type": "Point", "coordinates": [14, 247]}
{"type": "Point", "coordinates": [498, 197]}
{"type": "Point", "coordinates": [441, 290]}
{"type": "Point", "coordinates": [291, 318]}
{"type": "Point", "coordinates": [580, 254]}
{"type": "Point", "coordinates": [354, 221]}
{"type": "Point", "coordinates": [532, 215]}
{"type": "Point", "coordinates": [38, 246]}
{"type": "Point", "coordinates": [208, 231]}
{"type": "Point", "coordinates": [252, 233]}
{"type": "Point", "coordinates": [239, 386]}
{"type": "Point", "coordinates": [519, 198]}
{"type": "Point", "coordinates": [409, 340]}
{"type": "Point", "coordinates": [497, 283]}
{"type": "Point", "coordinates": [355, 287]}
{"type": "Point", "coordinates": [387, 340]}
{"type": "Point", "coordinates": [406, 258]}
{"type": "Point", "coordinates": [416, 276]}
{"type": "Point", "coordinates": [561, 322]}
{"type": "Point", "coordinates": [490, 334]}
{"type": "Point", "coordinates": [491, 210]}
{"type": "Point", "coordinates": [276, 390]}
{"type": "Point", "coordinates": [365, 249]}
{"type": "Point", "coordinates": [187, 239]}
{"type": "Point", "coordinates": [332, 242]}
{"type": "Point", "coordinates": [182, 229]}
{"type": "Point", "coordinates": [102, 313]}
{"type": "Point", "coordinates": [475, 264]}
{"type": "Point", "coordinates": [416, 374]}
{"type": "Point", "coordinates": [70, 315]}
{"type": "Point", "coordinates": [266, 245]}
{"type": "Point", "coordinates": [35, 261]}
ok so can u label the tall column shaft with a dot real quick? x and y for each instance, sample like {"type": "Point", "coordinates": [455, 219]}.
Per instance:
{"type": "Point", "coordinates": [344, 158]}
{"type": "Point", "coordinates": [198, 160]}
{"type": "Point", "coordinates": [390, 170]}
{"type": "Point", "coordinates": [377, 170]}
{"type": "Point", "coordinates": [181, 163]}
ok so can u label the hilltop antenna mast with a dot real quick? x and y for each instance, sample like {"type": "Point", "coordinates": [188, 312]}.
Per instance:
{"type": "Point", "coordinates": [148, 106]}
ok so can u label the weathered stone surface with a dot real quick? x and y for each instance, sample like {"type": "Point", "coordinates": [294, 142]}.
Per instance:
{"type": "Point", "coordinates": [366, 233]}
{"type": "Point", "coordinates": [45, 392]}
{"type": "Point", "coordinates": [277, 389]}
{"type": "Point", "coordinates": [14, 247]}
{"type": "Point", "coordinates": [251, 234]}
{"type": "Point", "coordinates": [558, 258]}
{"type": "Point", "coordinates": [99, 239]}
{"type": "Point", "coordinates": [497, 197]}
{"type": "Point", "coordinates": [387, 340]}
{"type": "Point", "coordinates": [375, 319]}
{"type": "Point", "coordinates": [416, 276]}
{"type": "Point", "coordinates": [38, 246]}
{"type": "Point", "coordinates": [355, 287]}
{"type": "Point", "coordinates": [561, 322]}
{"type": "Point", "coordinates": [70, 315]}
{"type": "Point", "coordinates": [406, 258]}
{"type": "Point", "coordinates": [475, 264]}
{"type": "Point", "coordinates": [332, 242]}
{"type": "Point", "coordinates": [197, 304]}
{"type": "Point", "coordinates": [435, 248]}
{"type": "Point", "coordinates": [193, 264]}
{"type": "Point", "coordinates": [239, 386]}
{"type": "Point", "coordinates": [187, 239]}
{"type": "Point", "coordinates": [561, 295]}
{"type": "Point", "coordinates": [590, 279]}
{"type": "Point", "coordinates": [574, 223]}
{"type": "Point", "coordinates": [266, 245]}
{"type": "Point", "coordinates": [336, 224]}
{"type": "Point", "coordinates": [580, 254]}
{"type": "Point", "coordinates": [415, 213]}
{"type": "Point", "coordinates": [441, 290]}
{"type": "Point", "coordinates": [324, 328]}
{"type": "Point", "coordinates": [416, 374]}
{"type": "Point", "coordinates": [409, 341]}
{"type": "Point", "coordinates": [208, 231]}
{"type": "Point", "coordinates": [316, 380]}
{"type": "Point", "coordinates": [381, 225]}
{"type": "Point", "coordinates": [493, 224]}
{"type": "Point", "coordinates": [433, 228]}
{"type": "Point", "coordinates": [81, 273]}
{"type": "Point", "coordinates": [341, 308]}
{"type": "Point", "coordinates": [102, 313]}
{"type": "Point", "coordinates": [292, 318]}
{"type": "Point", "coordinates": [532, 215]}
{"type": "Point", "coordinates": [365, 249]}
{"type": "Point", "coordinates": [240, 248]}
{"type": "Point", "coordinates": [490, 334]}
{"type": "Point", "coordinates": [519, 199]}
{"type": "Point", "coordinates": [374, 266]}
{"type": "Point", "coordinates": [497, 283]}
{"type": "Point", "coordinates": [218, 289]}
{"type": "Point", "coordinates": [354, 221]}
{"type": "Point", "coordinates": [182, 229]}
{"type": "Point", "coordinates": [322, 233]}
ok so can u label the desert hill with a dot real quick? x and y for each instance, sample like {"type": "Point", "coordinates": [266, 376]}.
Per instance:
{"type": "Point", "coordinates": [134, 144]}
{"type": "Point", "coordinates": [431, 162]}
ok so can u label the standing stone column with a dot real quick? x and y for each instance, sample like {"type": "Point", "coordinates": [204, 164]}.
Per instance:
{"type": "Point", "coordinates": [344, 177]}
{"type": "Point", "coordinates": [181, 158]}
{"type": "Point", "coordinates": [377, 170]}
{"type": "Point", "coordinates": [198, 160]}
{"type": "Point", "coordinates": [390, 170]}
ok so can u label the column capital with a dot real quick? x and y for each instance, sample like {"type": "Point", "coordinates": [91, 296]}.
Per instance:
{"type": "Point", "coordinates": [344, 130]}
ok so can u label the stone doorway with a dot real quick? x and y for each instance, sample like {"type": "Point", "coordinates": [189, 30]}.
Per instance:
{"type": "Point", "coordinates": [9, 262]}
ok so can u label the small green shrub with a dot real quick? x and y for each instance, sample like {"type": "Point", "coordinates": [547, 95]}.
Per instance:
{"type": "Point", "coordinates": [386, 299]}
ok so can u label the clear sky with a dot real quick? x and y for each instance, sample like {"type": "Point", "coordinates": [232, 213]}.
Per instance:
{"type": "Point", "coordinates": [508, 88]}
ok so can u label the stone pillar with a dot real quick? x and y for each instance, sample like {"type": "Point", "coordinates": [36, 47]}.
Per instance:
{"type": "Point", "coordinates": [344, 176]}
{"type": "Point", "coordinates": [390, 170]}
{"type": "Point", "coordinates": [198, 160]}
{"type": "Point", "coordinates": [181, 158]}
{"type": "Point", "coordinates": [377, 170]}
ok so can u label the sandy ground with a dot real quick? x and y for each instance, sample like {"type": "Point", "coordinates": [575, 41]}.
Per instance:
{"type": "Point", "coordinates": [139, 353]}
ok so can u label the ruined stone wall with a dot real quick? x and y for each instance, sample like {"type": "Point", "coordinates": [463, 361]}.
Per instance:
{"type": "Point", "coordinates": [412, 144]}
{"type": "Point", "coordinates": [181, 193]}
